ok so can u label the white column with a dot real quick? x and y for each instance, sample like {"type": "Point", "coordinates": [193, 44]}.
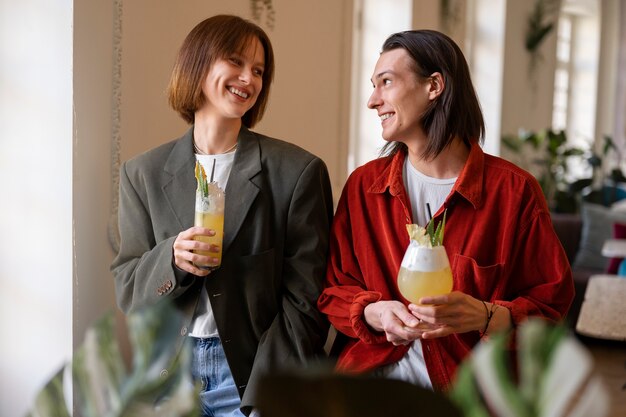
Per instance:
{"type": "Point", "coordinates": [619, 133]}
{"type": "Point", "coordinates": [486, 37]}
{"type": "Point", "coordinates": [36, 196]}
{"type": "Point", "coordinates": [607, 70]}
{"type": "Point", "coordinates": [375, 23]}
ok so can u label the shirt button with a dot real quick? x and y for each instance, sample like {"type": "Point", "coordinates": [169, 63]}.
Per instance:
{"type": "Point", "coordinates": [183, 331]}
{"type": "Point", "coordinates": [164, 373]}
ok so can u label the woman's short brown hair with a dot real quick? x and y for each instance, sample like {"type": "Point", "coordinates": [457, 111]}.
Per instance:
{"type": "Point", "coordinates": [214, 38]}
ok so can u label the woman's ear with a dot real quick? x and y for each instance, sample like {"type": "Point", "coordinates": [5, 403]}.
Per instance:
{"type": "Point", "coordinates": [437, 85]}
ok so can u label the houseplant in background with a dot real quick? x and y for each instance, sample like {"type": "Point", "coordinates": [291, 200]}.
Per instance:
{"type": "Point", "coordinates": [103, 387]}
{"type": "Point", "coordinates": [605, 187]}
{"type": "Point", "coordinates": [540, 22]}
{"type": "Point", "coordinates": [547, 155]}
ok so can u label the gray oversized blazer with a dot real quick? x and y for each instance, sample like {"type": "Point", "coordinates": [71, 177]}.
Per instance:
{"type": "Point", "coordinates": [276, 231]}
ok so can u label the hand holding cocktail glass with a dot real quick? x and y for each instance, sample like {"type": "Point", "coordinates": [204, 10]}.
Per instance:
{"type": "Point", "coordinates": [198, 250]}
{"type": "Point", "coordinates": [423, 273]}
{"type": "Point", "coordinates": [425, 279]}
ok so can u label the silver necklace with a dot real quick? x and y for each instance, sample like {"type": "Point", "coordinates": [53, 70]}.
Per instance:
{"type": "Point", "coordinates": [199, 151]}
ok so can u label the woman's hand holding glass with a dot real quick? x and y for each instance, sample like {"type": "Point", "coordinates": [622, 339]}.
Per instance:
{"type": "Point", "coordinates": [185, 248]}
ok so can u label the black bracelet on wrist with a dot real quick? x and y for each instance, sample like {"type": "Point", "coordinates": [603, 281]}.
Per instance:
{"type": "Point", "coordinates": [489, 312]}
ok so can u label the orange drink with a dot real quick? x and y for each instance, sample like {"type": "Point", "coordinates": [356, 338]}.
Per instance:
{"type": "Point", "coordinates": [214, 221]}
{"type": "Point", "coordinates": [210, 214]}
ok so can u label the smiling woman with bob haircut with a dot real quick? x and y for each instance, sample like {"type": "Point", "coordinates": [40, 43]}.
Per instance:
{"type": "Point", "coordinates": [255, 312]}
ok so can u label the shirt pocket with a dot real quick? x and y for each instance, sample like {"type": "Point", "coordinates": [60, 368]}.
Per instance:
{"type": "Point", "coordinates": [479, 281]}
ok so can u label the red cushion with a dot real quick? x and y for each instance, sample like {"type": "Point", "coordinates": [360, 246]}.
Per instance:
{"type": "Point", "coordinates": [619, 232]}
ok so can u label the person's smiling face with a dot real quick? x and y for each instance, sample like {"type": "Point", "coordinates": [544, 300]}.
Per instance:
{"type": "Point", "coordinates": [234, 82]}
{"type": "Point", "coordinates": [399, 96]}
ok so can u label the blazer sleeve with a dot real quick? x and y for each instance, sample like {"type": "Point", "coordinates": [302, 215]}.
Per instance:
{"type": "Point", "coordinates": [143, 270]}
{"type": "Point", "coordinates": [298, 332]}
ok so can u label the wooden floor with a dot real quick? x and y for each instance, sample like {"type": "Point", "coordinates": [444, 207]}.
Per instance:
{"type": "Point", "coordinates": [610, 364]}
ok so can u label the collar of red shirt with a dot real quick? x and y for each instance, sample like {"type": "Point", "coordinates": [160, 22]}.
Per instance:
{"type": "Point", "coordinates": [469, 185]}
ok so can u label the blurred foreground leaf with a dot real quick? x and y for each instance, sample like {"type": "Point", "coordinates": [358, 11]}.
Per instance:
{"type": "Point", "coordinates": [159, 383]}
{"type": "Point", "coordinates": [546, 382]}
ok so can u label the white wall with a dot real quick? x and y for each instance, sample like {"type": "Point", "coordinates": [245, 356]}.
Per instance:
{"type": "Point", "coordinates": [36, 195]}
{"type": "Point", "coordinates": [310, 101]}
{"type": "Point", "coordinates": [526, 98]}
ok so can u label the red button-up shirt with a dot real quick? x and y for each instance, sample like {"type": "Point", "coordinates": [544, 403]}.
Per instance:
{"type": "Point", "coordinates": [499, 238]}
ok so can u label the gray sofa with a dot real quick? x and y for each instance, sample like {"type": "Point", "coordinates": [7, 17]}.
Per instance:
{"type": "Point", "coordinates": [568, 228]}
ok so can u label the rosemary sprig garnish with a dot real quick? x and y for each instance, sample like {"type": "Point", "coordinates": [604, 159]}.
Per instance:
{"type": "Point", "coordinates": [203, 185]}
{"type": "Point", "coordinates": [436, 234]}
{"type": "Point", "coordinates": [428, 236]}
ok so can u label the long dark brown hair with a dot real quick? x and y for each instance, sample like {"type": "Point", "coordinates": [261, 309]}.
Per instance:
{"type": "Point", "coordinates": [213, 38]}
{"type": "Point", "coordinates": [456, 112]}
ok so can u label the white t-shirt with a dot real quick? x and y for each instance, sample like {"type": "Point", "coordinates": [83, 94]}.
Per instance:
{"type": "Point", "coordinates": [203, 324]}
{"type": "Point", "coordinates": [422, 189]}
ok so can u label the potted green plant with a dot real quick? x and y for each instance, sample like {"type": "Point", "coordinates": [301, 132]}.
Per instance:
{"type": "Point", "coordinates": [539, 24]}
{"type": "Point", "coordinates": [546, 154]}
{"type": "Point", "coordinates": [604, 187]}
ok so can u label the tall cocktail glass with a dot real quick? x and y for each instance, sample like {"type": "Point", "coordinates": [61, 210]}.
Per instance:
{"type": "Point", "coordinates": [209, 213]}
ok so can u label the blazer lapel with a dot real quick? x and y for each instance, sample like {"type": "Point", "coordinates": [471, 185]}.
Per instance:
{"type": "Point", "coordinates": [180, 191]}
{"type": "Point", "coordinates": [241, 190]}
{"type": "Point", "coordinates": [242, 187]}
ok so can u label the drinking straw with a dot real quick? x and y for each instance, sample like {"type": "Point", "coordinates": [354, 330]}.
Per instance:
{"type": "Point", "coordinates": [430, 214]}
{"type": "Point", "coordinates": [212, 171]}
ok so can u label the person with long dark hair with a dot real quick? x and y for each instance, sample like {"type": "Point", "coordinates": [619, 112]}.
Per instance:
{"type": "Point", "coordinates": [256, 312]}
{"type": "Point", "coordinates": [507, 263]}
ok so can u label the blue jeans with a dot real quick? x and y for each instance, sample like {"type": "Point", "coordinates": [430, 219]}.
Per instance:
{"type": "Point", "coordinates": [218, 394]}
